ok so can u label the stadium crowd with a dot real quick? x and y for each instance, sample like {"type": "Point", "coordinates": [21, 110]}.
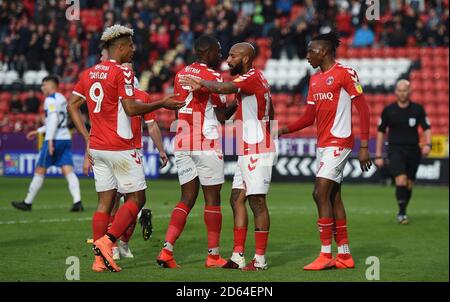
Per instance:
{"type": "Point", "coordinates": [35, 34]}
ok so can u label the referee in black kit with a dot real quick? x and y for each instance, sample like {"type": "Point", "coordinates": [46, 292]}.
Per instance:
{"type": "Point", "coordinates": [404, 153]}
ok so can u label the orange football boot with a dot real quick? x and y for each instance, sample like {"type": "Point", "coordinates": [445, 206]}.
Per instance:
{"type": "Point", "coordinates": [344, 261]}
{"type": "Point", "coordinates": [99, 265]}
{"type": "Point", "coordinates": [214, 261]}
{"type": "Point", "coordinates": [165, 259]}
{"type": "Point", "coordinates": [324, 261]}
{"type": "Point", "coordinates": [103, 248]}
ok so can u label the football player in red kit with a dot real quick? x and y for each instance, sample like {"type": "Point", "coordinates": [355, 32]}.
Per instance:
{"type": "Point", "coordinates": [332, 92]}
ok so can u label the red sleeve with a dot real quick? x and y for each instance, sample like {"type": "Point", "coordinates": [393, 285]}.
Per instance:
{"type": "Point", "coordinates": [364, 115]}
{"type": "Point", "coordinates": [79, 89]}
{"type": "Point", "coordinates": [307, 119]}
{"type": "Point", "coordinates": [125, 83]}
{"type": "Point", "coordinates": [351, 83]}
{"type": "Point", "coordinates": [178, 89]}
{"type": "Point", "coordinates": [246, 83]}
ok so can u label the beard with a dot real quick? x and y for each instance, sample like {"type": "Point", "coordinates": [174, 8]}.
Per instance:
{"type": "Point", "coordinates": [237, 69]}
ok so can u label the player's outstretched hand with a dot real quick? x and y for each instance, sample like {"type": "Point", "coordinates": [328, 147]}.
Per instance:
{"type": "Point", "coordinates": [164, 160]}
{"type": "Point", "coordinates": [194, 83]}
{"type": "Point", "coordinates": [31, 134]}
{"type": "Point", "coordinates": [171, 103]}
{"type": "Point", "coordinates": [364, 159]}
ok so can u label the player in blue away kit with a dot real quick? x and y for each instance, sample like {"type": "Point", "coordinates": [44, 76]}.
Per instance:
{"type": "Point", "coordinates": [57, 147]}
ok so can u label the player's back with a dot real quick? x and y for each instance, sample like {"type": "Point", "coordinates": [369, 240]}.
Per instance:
{"type": "Point", "coordinates": [198, 113]}
{"type": "Point", "coordinates": [103, 86]}
{"type": "Point", "coordinates": [57, 103]}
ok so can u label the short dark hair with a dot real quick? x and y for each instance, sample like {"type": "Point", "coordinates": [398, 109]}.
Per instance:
{"type": "Point", "coordinates": [51, 78]}
{"type": "Point", "coordinates": [204, 43]}
{"type": "Point", "coordinates": [332, 38]}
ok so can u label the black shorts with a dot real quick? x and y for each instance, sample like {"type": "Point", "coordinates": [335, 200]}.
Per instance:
{"type": "Point", "coordinates": [404, 160]}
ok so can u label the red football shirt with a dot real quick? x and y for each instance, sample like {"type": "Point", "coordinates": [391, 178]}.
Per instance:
{"type": "Point", "coordinates": [136, 121]}
{"type": "Point", "coordinates": [198, 127]}
{"type": "Point", "coordinates": [331, 93]}
{"type": "Point", "coordinates": [103, 86]}
{"type": "Point", "coordinates": [253, 114]}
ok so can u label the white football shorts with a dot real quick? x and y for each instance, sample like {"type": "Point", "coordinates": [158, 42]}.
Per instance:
{"type": "Point", "coordinates": [121, 170]}
{"type": "Point", "coordinates": [254, 173]}
{"type": "Point", "coordinates": [331, 162]}
{"type": "Point", "coordinates": [207, 165]}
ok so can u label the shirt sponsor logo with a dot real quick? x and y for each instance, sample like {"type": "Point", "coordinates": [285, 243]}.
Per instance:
{"type": "Point", "coordinates": [358, 87]}
{"type": "Point", "coordinates": [322, 96]}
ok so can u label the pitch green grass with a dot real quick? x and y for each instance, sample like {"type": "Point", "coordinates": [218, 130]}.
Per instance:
{"type": "Point", "coordinates": [34, 245]}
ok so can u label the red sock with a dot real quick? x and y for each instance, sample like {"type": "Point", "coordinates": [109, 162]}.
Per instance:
{"type": "Point", "coordinates": [126, 214]}
{"type": "Point", "coordinates": [326, 230]}
{"type": "Point", "coordinates": [100, 222]}
{"type": "Point", "coordinates": [111, 220]}
{"type": "Point", "coordinates": [341, 232]}
{"type": "Point", "coordinates": [240, 235]}
{"type": "Point", "coordinates": [177, 222]}
{"type": "Point", "coordinates": [128, 232]}
{"type": "Point", "coordinates": [261, 238]}
{"type": "Point", "coordinates": [213, 221]}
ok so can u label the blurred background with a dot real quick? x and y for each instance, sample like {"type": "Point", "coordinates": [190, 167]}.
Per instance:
{"type": "Point", "coordinates": [410, 40]}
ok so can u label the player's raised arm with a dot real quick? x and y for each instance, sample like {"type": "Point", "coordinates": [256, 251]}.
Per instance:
{"type": "Point", "coordinates": [133, 108]}
{"type": "Point", "coordinates": [212, 86]}
{"type": "Point", "coordinates": [306, 120]}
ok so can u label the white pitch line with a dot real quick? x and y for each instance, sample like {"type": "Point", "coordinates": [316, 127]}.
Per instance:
{"type": "Point", "coordinates": [58, 220]}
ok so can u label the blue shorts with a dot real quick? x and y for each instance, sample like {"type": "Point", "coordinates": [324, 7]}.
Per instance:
{"type": "Point", "coordinates": [61, 157]}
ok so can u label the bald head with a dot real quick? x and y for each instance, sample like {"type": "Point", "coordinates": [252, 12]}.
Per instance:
{"type": "Point", "coordinates": [246, 49]}
{"type": "Point", "coordinates": [240, 59]}
{"type": "Point", "coordinates": [402, 84]}
{"type": "Point", "coordinates": [402, 91]}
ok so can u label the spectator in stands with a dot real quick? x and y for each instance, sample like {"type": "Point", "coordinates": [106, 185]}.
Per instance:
{"type": "Point", "coordinates": [364, 36]}
{"type": "Point", "coordinates": [15, 105]}
{"type": "Point", "coordinates": [71, 70]}
{"type": "Point", "coordinates": [31, 102]}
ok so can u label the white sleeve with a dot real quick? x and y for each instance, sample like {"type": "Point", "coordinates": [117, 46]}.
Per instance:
{"type": "Point", "coordinates": [51, 126]}
{"type": "Point", "coordinates": [41, 129]}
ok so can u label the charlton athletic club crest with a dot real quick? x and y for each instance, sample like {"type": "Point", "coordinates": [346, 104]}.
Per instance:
{"type": "Point", "coordinates": [330, 81]}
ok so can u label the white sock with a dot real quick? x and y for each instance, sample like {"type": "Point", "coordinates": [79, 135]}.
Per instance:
{"type": "Point", "coordinates": [344, 249]}
{"type": "Point", "coordinates": [74, 186]}
{"type": "Point", "coordinates": [213, 251]}
{"type": "Point", "coordinates": [326, 249]}
{"type": "Point", "coordinates": [260, 259]}
{"type": "Point", "coordinates": [35, 186]}
{"type": "Point", "coordinates": [139, 215]}
{"type": "Point", "coordinates": [168, 246]}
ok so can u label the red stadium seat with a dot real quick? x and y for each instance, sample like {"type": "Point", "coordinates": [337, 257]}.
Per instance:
{"type": "Point", "coordinates": [413, 53]}
{"type": "Point", "coordinates": [389, 52]}
{"type": "Point", "coordinates": [442, 97]}
{"type": "Point", "coordinates": [415, 75]}
{"type": "Point", "coordinates": [402, 52]}
{"type": "Point", "coordinates": [4, 106]}
{"type": "Point", "coordinates": [5, 96]}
